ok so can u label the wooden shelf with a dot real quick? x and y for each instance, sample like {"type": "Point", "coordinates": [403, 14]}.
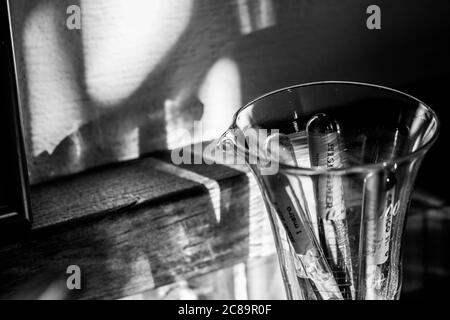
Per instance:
{"type": "Point", "coordinates": [137, 226]}
{"type": "Point", "coordinates": [147, 228]}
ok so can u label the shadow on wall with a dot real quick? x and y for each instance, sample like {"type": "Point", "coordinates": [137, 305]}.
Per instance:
{"type": "Point", "coordinates": [137, 75]}
{"type": "Point", "coordinates": [126, 83]}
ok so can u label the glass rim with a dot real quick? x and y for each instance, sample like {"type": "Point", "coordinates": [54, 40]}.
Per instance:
{"type": "Point", "coordinates": [353, 169]}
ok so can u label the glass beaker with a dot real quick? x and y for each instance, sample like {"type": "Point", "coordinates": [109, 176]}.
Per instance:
{"type": "Point", "coordinates": [336, 163]}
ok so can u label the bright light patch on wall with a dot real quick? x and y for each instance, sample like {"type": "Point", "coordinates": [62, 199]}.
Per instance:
{"type": "Point", "coordinates": [266, 14]}
{"type": "Point", "coordinates": [129, 146]}
{"type": "Point", "coordinates": [244, 16]}
{"type": "Point", "coordinates": [221, 95]}
{"type": "Point", "coordinates": [177, 133]}
{"type": "Point", "coordinates": [255, 15]}
{"type": "Point", "coordinates": [125, 40]}
{"type": "Point", "coordinates": [54, 99]}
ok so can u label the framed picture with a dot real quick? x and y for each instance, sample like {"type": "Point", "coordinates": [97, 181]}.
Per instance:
{"type": "Point", "coordinates": [14, 202]}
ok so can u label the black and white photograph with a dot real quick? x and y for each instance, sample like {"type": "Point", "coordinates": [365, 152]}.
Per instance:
{"type": "Point", "coordinates": [240, 151]}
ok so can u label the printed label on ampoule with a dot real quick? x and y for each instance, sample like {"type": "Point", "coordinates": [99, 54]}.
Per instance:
{"type": "Point", "coordinates": [305, 186]}
{"type": "Point", "coordinates": [288, 214]}
{"type": "Point", "coordinates": [325, 152]}
{"type": "Point", "coordinates": [384, 228]}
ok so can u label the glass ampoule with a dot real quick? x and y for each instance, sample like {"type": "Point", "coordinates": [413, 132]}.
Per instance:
{"type": "Point", "coordinates": [284, 194]}
{"type": "Point", "coordinates": [379, 210]}
{"type": "Point", "coordinates": [326, 151]}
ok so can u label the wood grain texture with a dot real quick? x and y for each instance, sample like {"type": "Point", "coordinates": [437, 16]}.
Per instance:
{"type": "Point", "coordinates": [131, 229]}
{"type": "Point", "coordinates": [121, 87]}
{"type": "Point", "coordinates": [137, 230]}
{"type": "Point", "coordinates": [103, 191]}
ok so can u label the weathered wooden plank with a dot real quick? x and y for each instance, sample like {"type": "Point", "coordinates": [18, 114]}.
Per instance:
{"type": "Point", "coordinates": [104, 190]}
{"type": "Point", "coordinates": [136, 227]}
{"type": "Point", "coordinates": [128, 234]}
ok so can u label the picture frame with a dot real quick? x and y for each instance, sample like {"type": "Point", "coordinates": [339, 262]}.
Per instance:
{"type": "Point", "coordinates": [14, 187]}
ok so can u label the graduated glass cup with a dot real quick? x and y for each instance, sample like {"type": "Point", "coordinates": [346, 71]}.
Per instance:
{"type": "Point", "coordinates": [336, 163]}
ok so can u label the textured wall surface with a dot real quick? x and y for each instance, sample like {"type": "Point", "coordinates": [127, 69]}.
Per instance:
{"type": "Point", "coordinates": [139, 72]}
